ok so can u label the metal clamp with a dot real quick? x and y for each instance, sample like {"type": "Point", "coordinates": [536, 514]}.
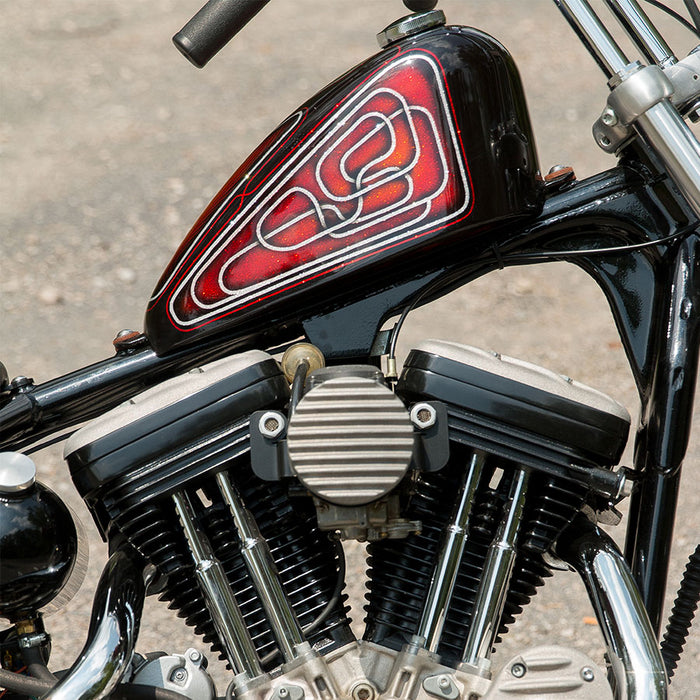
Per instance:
{"type": "Point", "coordinates": [639, 91]}
{"type": "Point", "coordinates": [685, 77]}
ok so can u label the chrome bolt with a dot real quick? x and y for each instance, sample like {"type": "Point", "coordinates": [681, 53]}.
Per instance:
{"type": "Point", "coordinates": [587, 674]}
{"type": "Point", "coordinates": [444, 682]}
{"type": "Point", "coordinates": [608, 117]}
{"type": "Point", "coordinates": [195, 656]}
{"type": "Point", "coordinates": [271, 424]}
{"type": "Point", "coordinates": [423, 416]}
{"type": "Point", "coordinates": [21, 383]}
{"type": "Point", "coordinates": [179, 675]}
{"type": "Point", "coordinates": [282, 692]}
{"type": "Point", "coordinates": [518, 670]}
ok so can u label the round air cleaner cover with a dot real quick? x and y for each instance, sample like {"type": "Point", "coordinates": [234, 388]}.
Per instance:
{"type": "Point", "coordinates": [514, 408]}
{"type": "Point", "coordinates": [350, 439]}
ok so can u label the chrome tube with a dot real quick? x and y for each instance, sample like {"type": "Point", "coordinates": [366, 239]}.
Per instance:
{"type": "Point", "coordinates": [226, 615]}
{"type": "Point", "coordinates": [631, 644]}
{"type": "Point", "coordinates": [594, 35]}
{"type": "Point", "coordinates": [116, 614]}
{"type": "Point", "coordinates": [641, 30]}
{"type": "Point", "coordinates": [443, 581]}
{"type": "Point", "coordinates": [491, 596]}
{"type": "Point", "coordinates": [263, 572]}
{"type": "Point", "coordinates": [640, 97]}
{"type": "Point", "coordinates": [665, 131]}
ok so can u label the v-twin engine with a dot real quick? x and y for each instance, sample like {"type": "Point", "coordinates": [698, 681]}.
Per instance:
{"type": "Point", "coordinates": [461, 478]}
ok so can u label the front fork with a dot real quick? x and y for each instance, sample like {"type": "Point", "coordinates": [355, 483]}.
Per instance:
{"type": "Point", "coordinates": [667, 406]}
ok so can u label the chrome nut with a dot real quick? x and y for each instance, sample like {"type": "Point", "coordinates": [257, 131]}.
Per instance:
{"type": "Point", "coordinates": [423, 415]}
{"type": "Point", "coordinates": [271, 424]}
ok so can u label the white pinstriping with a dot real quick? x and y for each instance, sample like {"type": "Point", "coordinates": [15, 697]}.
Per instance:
{"type": "Point", "coordinates": [266, 200]}
{"type": "Point", "coordinates": [296, 117]}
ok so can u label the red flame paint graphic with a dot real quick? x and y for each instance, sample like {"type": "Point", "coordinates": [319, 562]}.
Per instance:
{"type": "Point", "coordinates": [385, 166]}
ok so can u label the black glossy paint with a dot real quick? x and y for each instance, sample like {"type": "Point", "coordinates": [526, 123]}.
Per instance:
{"type": "Point", "coordinates": [494, 136]}
{"type": "Point", "coordinates": [38, 547]}
{"type": "Point", "coordinates": [533, 420]}
{"type": "Point", "coordinates": [652, 293]}
{"type": "Point", "coordinates": [172, 444]}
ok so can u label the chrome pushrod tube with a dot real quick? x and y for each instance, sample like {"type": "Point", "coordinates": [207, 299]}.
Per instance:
{"type": "Point", "coordinates": [641, 30]}
{"type": "Point", "coordinates": [263, 572]}
{"type": "Point", "coordinates": [594, 35]}
{"type": "Point", "coordinates": [491, 596]}
{"type": "Point", "coordinates": [443, 581]}
{"type": "Point", "coordinates": [632, 646]}
{"type": "Point", "coordinates": [226, 615]}
{"type": "Point", "coordinates": [116, 614]}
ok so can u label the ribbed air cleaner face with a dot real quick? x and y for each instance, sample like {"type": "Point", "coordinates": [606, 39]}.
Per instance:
{"type": "Point", "coordinates": [350, 439]}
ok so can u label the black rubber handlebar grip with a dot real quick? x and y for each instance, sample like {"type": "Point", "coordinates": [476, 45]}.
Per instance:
{"type": "Point", "coordinates": [213, 27]}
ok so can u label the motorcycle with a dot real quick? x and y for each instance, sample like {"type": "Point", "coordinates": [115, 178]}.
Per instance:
{"type": "Point", "coordinates": [261, 418]}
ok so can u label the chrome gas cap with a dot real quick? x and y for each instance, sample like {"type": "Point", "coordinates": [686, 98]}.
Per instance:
{"type": "Point", "coordinates": [410, 25]}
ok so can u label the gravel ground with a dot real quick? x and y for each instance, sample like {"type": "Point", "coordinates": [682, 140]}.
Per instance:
{"type": "Point", "coordinates": [111, 144]}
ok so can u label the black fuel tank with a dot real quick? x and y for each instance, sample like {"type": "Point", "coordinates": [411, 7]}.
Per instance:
{"type": "Point", "coordinates": [378, 177]}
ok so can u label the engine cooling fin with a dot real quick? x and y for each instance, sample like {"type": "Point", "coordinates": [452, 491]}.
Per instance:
{"type": "Point", "coordinates": [400, 571]}
{"type": "Point", "coordinates": [514, 409]}
{"type": "Point", "coordinates": [174, 439]}
{"type": "Point", "coordinates": [519, 416]}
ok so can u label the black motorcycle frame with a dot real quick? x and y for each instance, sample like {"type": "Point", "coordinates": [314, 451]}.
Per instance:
{"type": "Point", "coordinates": [628, 228]}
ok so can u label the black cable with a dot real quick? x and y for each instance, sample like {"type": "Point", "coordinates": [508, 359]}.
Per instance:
{"type": "Point", "coordinates": [327, 608]}
{"type": "Point", "coordinates": [553, 255]}
{"type": "Point", "coordinates": [672, 13]}
{"type": "Point", "coordinates": [297, 390]}
{"type": "Point", "coordinates": [337, 591]}
{"type": "Point", "coordinates": [693, 11]}
{"type": "Point", "coordinates": [542, 256]}
{"type": "Point", "coordinates": [36, 665]}
{"type": "Point", "coordinates": [406, 310]}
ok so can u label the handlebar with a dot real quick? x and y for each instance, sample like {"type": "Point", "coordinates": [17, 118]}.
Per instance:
{"type": "Point", "coordinates": [213, 27]}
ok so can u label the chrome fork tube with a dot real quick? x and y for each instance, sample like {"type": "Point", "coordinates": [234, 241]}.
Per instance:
{"type": "Point", "coordinates": [491, 596]}
{"type": "Point", "coordinates": [263, 572]}
{"type": "Point", "coordinates": [594, 36]}
{"type": "Point", "coordinates": [633, 650]}
{"type": "Point", "coordinates": [643, 104]}
{"type": "Point", "coordinates": [443, 581]}
{"type": "Point", "coordinates": [116, 613]}
{"type": "Point", "coordinates": [226, 615]}
{"type": "Point", "coordinates": [642, 32]}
